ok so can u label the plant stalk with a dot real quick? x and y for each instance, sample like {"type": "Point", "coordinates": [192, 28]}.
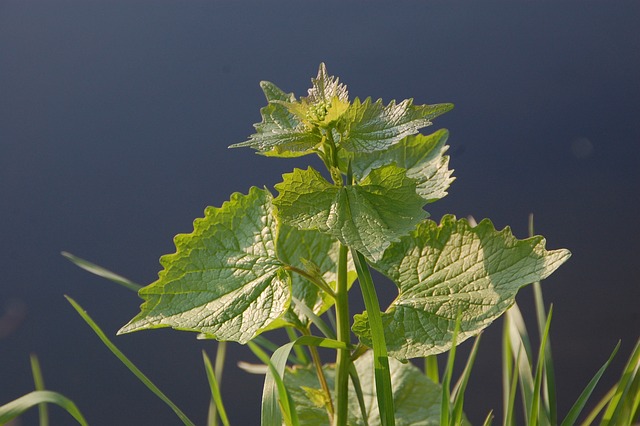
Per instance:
{"type": "Point", "coordinates": [315, 357]}
{"type": "Point", "coordinates": [343, 359]}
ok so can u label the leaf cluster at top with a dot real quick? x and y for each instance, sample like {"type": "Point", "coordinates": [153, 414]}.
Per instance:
{"type": "Point", "coordinates": [246, 263]}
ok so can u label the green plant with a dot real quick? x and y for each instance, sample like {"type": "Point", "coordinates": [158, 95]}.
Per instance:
{"type": "Point", "coordinates": [262, 262]}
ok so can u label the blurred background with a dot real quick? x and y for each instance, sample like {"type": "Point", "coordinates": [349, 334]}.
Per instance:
{"type": "Point", "coordinates": [115, 119]}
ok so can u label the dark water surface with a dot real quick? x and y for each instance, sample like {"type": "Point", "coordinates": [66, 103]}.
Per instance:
{"type": "Point", "coordinates": [114, 123]}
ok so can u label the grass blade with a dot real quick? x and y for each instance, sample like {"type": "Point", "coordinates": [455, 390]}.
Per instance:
{"type": "Point", "coordinates": [519, 339]}
{"type": "Point", "coordinates": [617, 402]}
{"type": "Point", "coordinates": [509, 415]}
{"type": "Point", "coordinates": [461, 386]}
{"type": "Point", "coordinates": [102, 272]}
{"type": "Point", "coordinates": [275, 398]}
{"type": "Point", "coordinates": [445, 406]}
{"type": "Point", "coordinates": [549, 380]}
{"type": "Point", "coordinates": [536, 415]}
{"type": "Point", "coordinates": [139, 374]}
{"type": "Point", "coordinates": [577, 407]}
{"type": "Point", "coordinates": [431, 368]}
{"type": "Point", "coordinates": [215, 392]}
{"type": "Point", "coordinates": [384, 392]}
{"type": "Point", "coordinates": [355, 379]}
{"type": "Point", "coordinates": [39, 384]}
{"type": "Point", "coordinates": [489, 419]}
{"type": "Point", "coordinates": [18, 406]}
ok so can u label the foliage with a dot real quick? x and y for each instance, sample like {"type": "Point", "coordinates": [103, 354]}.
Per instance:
{"type": "Point", "coordinates": [262, 262]}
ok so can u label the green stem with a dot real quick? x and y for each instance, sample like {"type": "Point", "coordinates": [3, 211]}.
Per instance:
{"type": "Point", "coordinates": [315, 356]}
{"type": "Point", "coordinates": [343, 360]}
{"type": "Point", "coordinates": [321, 284]}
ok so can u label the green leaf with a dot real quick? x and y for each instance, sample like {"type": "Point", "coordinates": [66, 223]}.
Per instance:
{"type": "Point", "coordinates": [224, 279]}
{"type": "Point", "coordinates": [366, 217]}
{"type": "Point", "coordinates": [416, 398]}
{"type": "Point", "coordinates": [127, 362]}
{"type": "Point", "coordinates": [422, 156]}
{"type": "Point", "coordinates": [372, 126]}
{"type": "Point", "coordinates": [310, 250]}
{"type": "Point", "coordinates": [281, 133]}
{"type": "Point", "coordinates": [13, 409]}
{"type": "Point", "coordinates": [453, 267]}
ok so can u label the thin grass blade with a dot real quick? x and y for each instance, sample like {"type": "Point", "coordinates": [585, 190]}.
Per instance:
{"type": "Point", "coordinates": [38, 381]}
{"type": "Point", "coordinates": [461, 386]}
{"type": "Point", "coordinates": [215, 392]}
{"type": "Point", "coordinates": [615, 406]}
{"type": "Point", "coordinates": [431, 368]}
{"type": "Point", "coordinates": [384, 392]}
{"type": "Point", "coordinates": [509, 416]}
{"type": "Point", "coordinates": [519, 339]}
{"type": "Point", "coordinates": [578, 406]}
{"type": "Point", "coordinates": [445, 405]}
{"type": "Point", "coordinates": [135, 370]}
{"type": "Point", "coordinates": [536, 414]}
{"type": "Point", "coordinates": [355, 379]}
{"type": "Point", "coordinates": [275, 398]}
{"type": "Point", "coordinates": [18, 406]}
{"type": "Point", "coordinates": [102, 272]}
{"type": "Point", "coordinates": [549, 382]}
{"type": "Point", "coordinates": [489, 419]}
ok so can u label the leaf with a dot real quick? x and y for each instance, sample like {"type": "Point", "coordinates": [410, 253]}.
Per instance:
{"type": "Point", "coordinates": [281, 133]}
{"type": "Point", "coordinates": [416, 398]}
{"type": "Point", "coordinates": [422, 156]}
{"type": "Point", "coordinates": [453, 267]}
{"type": "Point", "coordinates": [304, 250]}
{"type": "Point", "coordinates": [372, 126]}
{"type": "Point", "coordinates": [13, 409]}
{"type": "Point", "coordinates": [224, 279]}
{"type": "Point", "coordinates": [366, 217]}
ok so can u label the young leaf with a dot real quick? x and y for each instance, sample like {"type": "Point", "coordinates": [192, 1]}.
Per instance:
{"type": "Point", "coordinates": [366, 217]}
{"type": "Point", "coordinates": [453, 267]}
{"type": "Point", "coordinates": [422, 156]}
{"type": "Point", "coordinates": [224, 279]}
{"type": "Point", "coordinates": [281, 133]}
{"type": "Point", "coordinates": [372, 126]}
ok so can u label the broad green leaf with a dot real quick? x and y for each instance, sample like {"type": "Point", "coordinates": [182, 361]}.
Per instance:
{"type": "Point", "coordinates": [422, 156]}
{"type": "Point", "coordinates": [224, 280]}
{"type": "Point", "coordinates": [453, 267]}
{"type": "Point", "coordinates": [366, 217]}
{"type": "Point", "coordinates": [416, 398]}
{"type": "Point", "coordinates": [281, 133]}
{"type": "Point", "coordinates": [372, 126]}
{"type": "Point", "coordinates": [305, 250]}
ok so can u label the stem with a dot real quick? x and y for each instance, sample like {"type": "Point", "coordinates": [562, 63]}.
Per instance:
{"type": "Point", "coordinates": [321, 284]}
{"type": "Point", "coordinates": [343, 359]}
{"type": "Point", "coordinates": [321, 377]}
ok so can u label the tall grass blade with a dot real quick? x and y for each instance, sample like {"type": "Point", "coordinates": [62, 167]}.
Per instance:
{"type": "Point", "coordinates": [578, 406]}
{"type": "Point", "coordinates": [139, 374]}
{"type": "Point", "coordinates": [509, 416]}
{"type": "Point", "coordinates": [355, 379]}
{"type": "Point", "coordinates": [215, 393]}
{"type": "Point", "coordinates": [519, 339]}
{"type": "Point", "coordinates": [507, 370]}
{"type": "Point", "coordinates": [536, 414]}
{"type": "Point", "coordinates": [276, 402]}
{"type": "Point", "coordinates": [299, 351]}
{"type": "Point", "coordinates": [549, 380]}
{"type": "Point", "coordinates": [461, 386]}
{"type": "Point", "coordinates": [18, 406]}
{"type": "Point", "coordinates": [431, 368]}
{"type": "Point", "coordinates": [615, 408]}
{"type": "Point", "coordinates": [39, 384]}
{"type": "Point", "coordinates": [102, 272]}
{"type": "Point", "coordinates": [445, 404]}
{"type": "Point", "coordinates": [384, 392]}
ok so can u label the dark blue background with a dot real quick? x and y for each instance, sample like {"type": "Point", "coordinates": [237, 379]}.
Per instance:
{"type": "Point", "coordinates": [115, 118]}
